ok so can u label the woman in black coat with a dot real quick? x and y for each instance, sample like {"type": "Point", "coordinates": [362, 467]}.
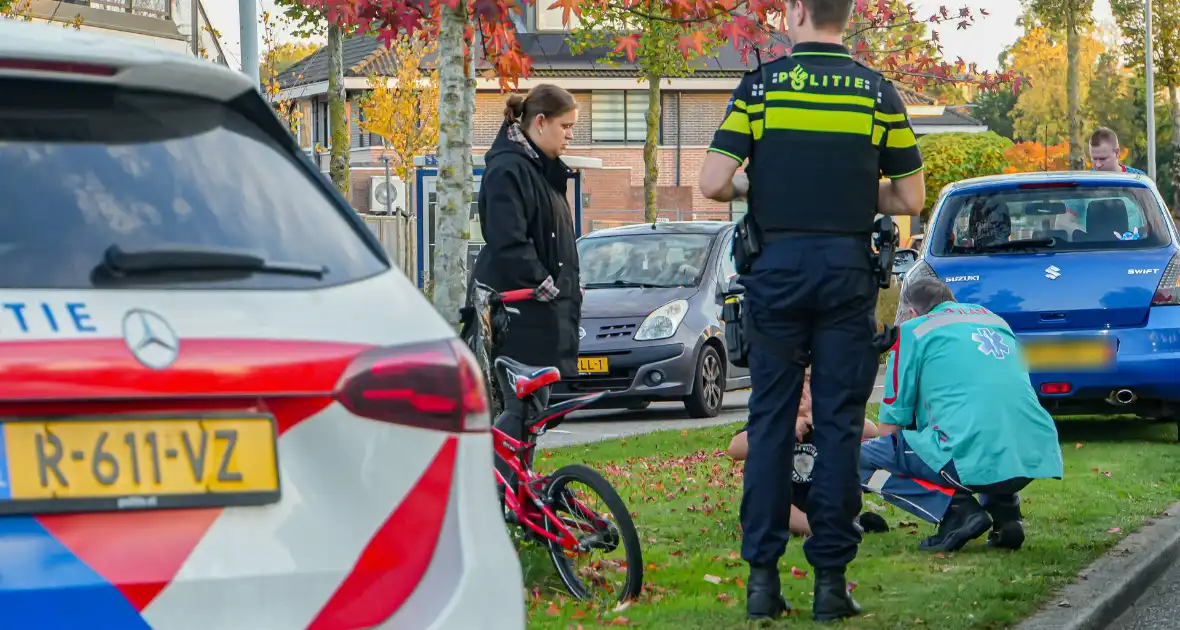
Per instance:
{"type": "Point", "coordinates": [529, 234]}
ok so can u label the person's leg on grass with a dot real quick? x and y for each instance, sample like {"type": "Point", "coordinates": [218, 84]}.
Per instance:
{"type": "Point", "coordinates": [777, 292]}
{"type": "Point", "coordinates": [1002, 502]}
{"type": "Point", "coordinates": [843, 368]}
{"type": "Point", "coordinates": [885, 471]}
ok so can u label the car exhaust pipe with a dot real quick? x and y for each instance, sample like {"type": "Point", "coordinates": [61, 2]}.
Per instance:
{"type": "Point", "coordinates": [1122, 397]}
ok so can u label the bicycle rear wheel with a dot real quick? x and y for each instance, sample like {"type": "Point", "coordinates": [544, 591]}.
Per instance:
{"type": "Point", "coordinates": [621, 578]}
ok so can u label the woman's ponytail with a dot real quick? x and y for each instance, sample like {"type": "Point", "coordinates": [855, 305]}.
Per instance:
{"type": "Point", "coordinates": [514, 109]}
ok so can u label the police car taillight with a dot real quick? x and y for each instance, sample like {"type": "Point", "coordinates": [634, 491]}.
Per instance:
{"type": "Point", "coordinates": [64, 67]}
{"type": "Point", "coordinates": [433, 385]}
{"type": "Point", "coordinates": [1168, 291]}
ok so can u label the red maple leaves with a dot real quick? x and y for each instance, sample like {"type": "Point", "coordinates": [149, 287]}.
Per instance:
{"type": "Point", "coordinates": [747, 25]}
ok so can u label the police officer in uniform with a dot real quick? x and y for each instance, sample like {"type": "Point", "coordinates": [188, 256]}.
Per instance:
{"type": "Point", "coordinates": [829, 146]}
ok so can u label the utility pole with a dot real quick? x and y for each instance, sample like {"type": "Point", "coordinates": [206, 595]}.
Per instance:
{"type": "Point", "coordinates": [196, 26]}
{"type": "Point", "coordinates": [1150, 90]}
{"type": "Point", "coordinates": [248, 20]}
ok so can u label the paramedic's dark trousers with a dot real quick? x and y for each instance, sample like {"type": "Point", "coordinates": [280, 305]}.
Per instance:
{"type": "Point", "coordinates": [890, 468]}
{"type": "Point", "coordinates": [813, 294]}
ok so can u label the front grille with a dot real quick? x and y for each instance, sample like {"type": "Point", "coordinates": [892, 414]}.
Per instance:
{"type": "Point", "coordinates": [616, 379]}
{"type": "Point", "coordinates": [616, 331]}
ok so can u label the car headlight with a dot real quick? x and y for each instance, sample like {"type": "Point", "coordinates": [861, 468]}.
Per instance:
{"type": "Point", "coordinates": [662, 322]}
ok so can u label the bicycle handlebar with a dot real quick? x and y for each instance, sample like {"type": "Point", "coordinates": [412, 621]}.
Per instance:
{"type": "Point", "coordinates": [517, 295]}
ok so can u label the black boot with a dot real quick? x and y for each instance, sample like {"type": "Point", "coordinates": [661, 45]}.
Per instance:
{"type": "Point", "coordinates": [764, 597]}
{"type": "Point", "coordinates": [1007, 523]}
{"type": "Point", "coordinates": [833, 601]}
{"type": "Point", "coordinates": [871, 523]}
{"type": "Point", "coordinates": [965, 520]}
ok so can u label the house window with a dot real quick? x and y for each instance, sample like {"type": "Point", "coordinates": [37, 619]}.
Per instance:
{"type": "Point", "coordinates": [550, 19]}
{"type": "Point", "coordinates": [618, 116]}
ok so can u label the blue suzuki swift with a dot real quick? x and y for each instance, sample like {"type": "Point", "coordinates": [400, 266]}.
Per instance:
{"type": "Point", "coordinates": [1084, 267]}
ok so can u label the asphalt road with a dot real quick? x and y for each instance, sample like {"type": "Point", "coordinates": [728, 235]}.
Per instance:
{"type": "Point", "coordinates": [591, 426]}
{"type": "Point", "coordinates": [1157, 609]}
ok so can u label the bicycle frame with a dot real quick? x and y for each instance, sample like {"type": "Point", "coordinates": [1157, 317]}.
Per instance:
{"type": "Point", "coordinates": [525, 502]}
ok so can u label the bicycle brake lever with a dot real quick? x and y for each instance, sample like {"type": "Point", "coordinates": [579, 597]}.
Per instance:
{"type": "Point", "coordinates": [513, 311]}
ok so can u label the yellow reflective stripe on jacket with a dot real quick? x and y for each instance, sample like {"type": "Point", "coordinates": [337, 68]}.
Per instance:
{"type": "Point", "coordinates": [818, 120]}
{"type": "Point", "coordinates": [813, 97]}
{"type": "Point", "coordinates": [900, 135]}
{"type": "Point", "coordinates": [903, 138]}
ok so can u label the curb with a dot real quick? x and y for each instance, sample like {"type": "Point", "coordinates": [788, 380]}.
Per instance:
{"type": "Point", "coordinates": [1113, 583]}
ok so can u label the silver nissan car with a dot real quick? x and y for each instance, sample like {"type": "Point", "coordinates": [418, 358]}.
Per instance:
{"type": "Point", "coordinates": [651, 320]}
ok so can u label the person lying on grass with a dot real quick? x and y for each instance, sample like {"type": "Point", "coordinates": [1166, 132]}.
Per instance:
{"type": "Point", "coordinates": [973, 426]}
{"type": "Point", "coordinates": [804, 458]}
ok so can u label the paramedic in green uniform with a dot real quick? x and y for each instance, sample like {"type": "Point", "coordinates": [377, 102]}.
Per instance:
{"type": "Point", "coordinates": [973, 425]}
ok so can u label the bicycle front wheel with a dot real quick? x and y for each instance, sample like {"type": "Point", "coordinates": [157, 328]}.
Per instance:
{"type": "Point", "coordinates": [590, 507]}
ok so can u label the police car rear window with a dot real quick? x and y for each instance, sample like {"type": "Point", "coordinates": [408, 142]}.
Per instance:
{"type": "Point", "coordinates": [84, 168]}
{"type": "Point", "coordinates": [1060, 219]}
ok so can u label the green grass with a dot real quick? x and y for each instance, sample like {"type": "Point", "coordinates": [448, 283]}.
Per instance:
{"type": "Point", "coordinates": [684, 495]}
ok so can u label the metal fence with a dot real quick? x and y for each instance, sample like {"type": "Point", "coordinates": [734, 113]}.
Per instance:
{"type": "Point", "coordinates": [398, 236]}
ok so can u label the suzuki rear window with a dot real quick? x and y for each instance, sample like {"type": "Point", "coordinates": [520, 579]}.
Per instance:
{"type": "Point", "coordinates": [1066, 219]}
{"type": "Point", "coordinates": [85, 168]}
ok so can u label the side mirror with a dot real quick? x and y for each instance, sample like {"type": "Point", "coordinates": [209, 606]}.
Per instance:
{"type": "Point", "coordinates": [903, 259]}
{"type": "Point", "coordinates": [731, 287]}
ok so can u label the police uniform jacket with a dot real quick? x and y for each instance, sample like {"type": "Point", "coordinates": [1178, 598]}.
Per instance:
{"type": "Point", "coordinates": [529, 233]}
{"type": "Point", "coordinates": [819, 131]}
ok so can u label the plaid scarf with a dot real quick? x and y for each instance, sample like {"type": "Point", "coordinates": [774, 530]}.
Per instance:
{"type": "Point", "coordinates": [516, 134]}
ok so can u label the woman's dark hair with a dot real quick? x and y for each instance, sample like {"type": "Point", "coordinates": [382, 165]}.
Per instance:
{"type": "Point", "coordinates": [546, 99]}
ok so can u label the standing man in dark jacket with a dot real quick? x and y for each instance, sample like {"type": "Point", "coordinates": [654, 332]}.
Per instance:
{"type": "Point", "coordinates": [829, 146]}
{"type": "Point", "coordinates": [529, 234]}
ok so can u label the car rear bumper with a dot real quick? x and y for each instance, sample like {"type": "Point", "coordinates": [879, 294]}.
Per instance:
{"type": "Point", "coordinates": [1147, 362]}
{"type": "Point", "coordinates": [630, 375]}
{"type": "Point", "coordinates": [475, 579]}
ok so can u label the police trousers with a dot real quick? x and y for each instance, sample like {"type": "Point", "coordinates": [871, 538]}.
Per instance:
{"type": "Point", "coordinates": [808, 297]}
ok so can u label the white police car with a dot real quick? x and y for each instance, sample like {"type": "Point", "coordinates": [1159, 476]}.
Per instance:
{"type": "Point", "coordinates": [196, 428]}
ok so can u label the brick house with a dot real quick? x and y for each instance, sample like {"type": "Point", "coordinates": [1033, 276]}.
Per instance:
{"type": "Point", "coordinates": [611, 126]}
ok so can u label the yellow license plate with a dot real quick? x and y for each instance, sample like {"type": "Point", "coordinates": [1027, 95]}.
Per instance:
{"type": "Point", "coordinates": [1069, 355]}
{"type": "Point", "coordinates": [121, 464]}
{"type": "Point", "coordinates": [596, 365]}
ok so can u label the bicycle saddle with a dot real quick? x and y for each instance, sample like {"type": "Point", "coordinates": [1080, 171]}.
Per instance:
{"type": "Point", "coordinates": [526, 379]}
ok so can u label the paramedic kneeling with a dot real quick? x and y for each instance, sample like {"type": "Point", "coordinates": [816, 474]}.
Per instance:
{"type": "Point", "coordinates": [957, 383]}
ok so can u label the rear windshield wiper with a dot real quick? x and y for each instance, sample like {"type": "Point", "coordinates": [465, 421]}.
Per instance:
{"type": "Point", "coordinates": [121, 262]}
{"type": "Point", "coordinates": [629, 284]}
{"type": "Point", "coordinates": [1022, 243]}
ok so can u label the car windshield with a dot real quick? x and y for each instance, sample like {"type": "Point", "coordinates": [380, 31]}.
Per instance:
{"type": "Point", "coordinates": [656, 259]}
{"type": "Point", "coordinates": [1057, 219]}
{"type": "Point", "coordinates": [184, 183]}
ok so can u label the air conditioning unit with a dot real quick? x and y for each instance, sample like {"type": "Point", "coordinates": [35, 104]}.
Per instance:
{"type": "Point", "coordinates": [394, 194]}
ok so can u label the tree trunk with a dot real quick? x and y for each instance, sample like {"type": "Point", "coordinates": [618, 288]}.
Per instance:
{"type": "Point", "coordinates": [449, 271]}
{"type": "Point", "coordinates": [1073, 91]}
{"type": "Point", "coordinates": [338, 112]}
{"type": "Point", "coordinates": [651, 148]}
{"type": "Point", "coordinates": [1174, 101]}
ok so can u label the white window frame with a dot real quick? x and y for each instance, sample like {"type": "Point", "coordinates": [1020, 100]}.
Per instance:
{"type": "Point", "coordinates": [605, 124]}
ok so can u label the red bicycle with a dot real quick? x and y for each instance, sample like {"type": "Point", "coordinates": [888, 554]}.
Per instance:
{"type": "Point", "coordinates": [550, 510]}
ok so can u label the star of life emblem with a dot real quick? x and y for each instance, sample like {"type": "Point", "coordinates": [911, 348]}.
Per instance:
{"type": "Point", "coordinates": [991, 342]}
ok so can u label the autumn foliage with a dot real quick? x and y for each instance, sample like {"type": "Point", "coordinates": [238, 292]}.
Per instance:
{"type": "Point", "coordinates": [749, 25]}
{"type": "Point", "coordinates": [1029, 157]}
{"type": "Point", "coordinates": [951, 157]}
